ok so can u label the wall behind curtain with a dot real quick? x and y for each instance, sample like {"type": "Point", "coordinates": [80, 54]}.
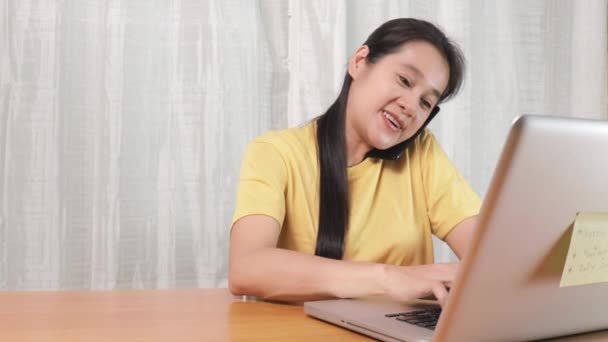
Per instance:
{"type": "Point", "coordinates": [123, 122]}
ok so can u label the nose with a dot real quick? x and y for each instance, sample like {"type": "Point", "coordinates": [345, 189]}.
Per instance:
{"type": "Point", "coordinates": [407, 104]}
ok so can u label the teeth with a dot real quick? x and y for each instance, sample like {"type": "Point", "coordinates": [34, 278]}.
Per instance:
{"type": "Point", "coordinates": [390, 118]}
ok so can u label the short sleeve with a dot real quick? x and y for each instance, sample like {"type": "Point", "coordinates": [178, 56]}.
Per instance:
{"type": "Point", "coordinates": [449, 197]}
{"type": "Point", "coordinates": [262, 182]}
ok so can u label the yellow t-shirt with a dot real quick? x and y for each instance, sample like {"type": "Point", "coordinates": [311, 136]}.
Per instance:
{"type": "Point", "coordinates": [395, 205]}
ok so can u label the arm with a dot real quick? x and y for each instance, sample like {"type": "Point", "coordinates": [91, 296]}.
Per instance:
{"type": "Point", "coordinates": [259, 268]}
{"type": "Point", "coordinates": [459, 236]}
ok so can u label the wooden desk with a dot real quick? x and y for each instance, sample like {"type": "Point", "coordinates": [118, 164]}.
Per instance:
{"type": "Point", "coordinates": [163, 315]}
{"type": "Point", "coordinates": [156, 315]}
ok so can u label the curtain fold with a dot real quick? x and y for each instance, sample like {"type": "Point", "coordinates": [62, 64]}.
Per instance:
{"type": "Point", "coordinates": [123, 123]}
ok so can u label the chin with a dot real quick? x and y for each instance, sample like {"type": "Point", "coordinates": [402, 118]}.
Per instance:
{"type": "Point", "coordinates": [381, 139]}
{"type": "Point", "coordinates": [381, 144]}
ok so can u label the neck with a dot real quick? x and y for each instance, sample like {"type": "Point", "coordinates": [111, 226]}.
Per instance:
{"type": "Point", "coordinates": [356, 149]}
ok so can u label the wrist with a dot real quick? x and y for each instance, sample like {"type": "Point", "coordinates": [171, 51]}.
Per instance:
{"type": "Point", "coordinates": [379, 276]}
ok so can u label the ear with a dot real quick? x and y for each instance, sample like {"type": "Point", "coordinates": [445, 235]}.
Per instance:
{"type": "Point", "coordinates": [357, 62]}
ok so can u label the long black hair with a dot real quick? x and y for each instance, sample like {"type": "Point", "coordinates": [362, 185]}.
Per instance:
{"type": "Point", "coordinates": [331, 141]}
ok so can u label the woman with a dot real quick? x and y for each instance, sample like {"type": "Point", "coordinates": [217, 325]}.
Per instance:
{"type": "Point", "coordinates": [345, 206]}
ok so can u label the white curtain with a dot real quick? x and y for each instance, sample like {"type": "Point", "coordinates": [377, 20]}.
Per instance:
{"type": "Point", "coordinates": [123, 123]}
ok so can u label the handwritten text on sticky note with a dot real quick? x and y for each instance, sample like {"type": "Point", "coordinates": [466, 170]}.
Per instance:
{"type": "Point", "coordinates": [587, 260]}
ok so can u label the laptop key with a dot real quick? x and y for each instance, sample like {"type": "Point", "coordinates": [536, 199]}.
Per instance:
{"type": "Point", "coordinates": [390, 315]}
{"type": "Point", "coordinates": [422, 313]}
{"type": "Point", "coordinates": [423, 318]}
{"type": "Point", "coordinates": [409, 314]}
{"type": "Point", "coordinates": [419, 321]}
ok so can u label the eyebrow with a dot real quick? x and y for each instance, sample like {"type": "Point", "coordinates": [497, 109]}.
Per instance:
{"type": "Point", "coordinates": [419, 73]}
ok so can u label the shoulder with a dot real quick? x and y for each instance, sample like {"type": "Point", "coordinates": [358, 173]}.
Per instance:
{"type": "Point", "coordinates": [276, 156]}
{"type": "Point", "coordinates": [288, 142]}
{"type": "Point", "coordinates": [425, 138]}
{"type": "Point", "coordinates": [425, 144]}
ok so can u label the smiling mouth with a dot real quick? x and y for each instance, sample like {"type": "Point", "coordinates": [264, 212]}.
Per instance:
{"type": "Point", "coordinates": [392, 120]}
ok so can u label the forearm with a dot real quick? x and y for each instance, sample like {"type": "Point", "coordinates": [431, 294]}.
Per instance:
{"type": "Point", "coordinates": [279, 274]}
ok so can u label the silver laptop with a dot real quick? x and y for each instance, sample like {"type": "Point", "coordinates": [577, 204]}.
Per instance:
{"type": "Point", "coordinates": [508, 285]}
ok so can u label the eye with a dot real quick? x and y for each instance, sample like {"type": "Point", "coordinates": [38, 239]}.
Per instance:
{"type": "Point", "coordinates": [425, 104]}
{"type": "Point", "coordinates": [404, 81]}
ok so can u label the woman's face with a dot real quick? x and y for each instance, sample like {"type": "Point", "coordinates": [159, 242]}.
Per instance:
{"type": "Point", "coordinates": [391, 99]}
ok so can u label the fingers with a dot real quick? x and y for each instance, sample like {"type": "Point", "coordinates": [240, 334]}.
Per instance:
{"type": "Point", "coordinates": [440, 292]}
{"type": "Point", "coordinates": [410, 282]}
{"type": "Point", "coordinates": [444, 273]}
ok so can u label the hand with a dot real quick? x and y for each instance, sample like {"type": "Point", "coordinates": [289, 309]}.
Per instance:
{"type": "Point", "coordinates": [404, 283]}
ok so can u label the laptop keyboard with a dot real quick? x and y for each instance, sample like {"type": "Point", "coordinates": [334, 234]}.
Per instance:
{"type": "Point", "coordinates": [426, 318]}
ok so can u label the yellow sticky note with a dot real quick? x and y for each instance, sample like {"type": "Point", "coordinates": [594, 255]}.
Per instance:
{"type": "Point", "coordinates": [587, 260]}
